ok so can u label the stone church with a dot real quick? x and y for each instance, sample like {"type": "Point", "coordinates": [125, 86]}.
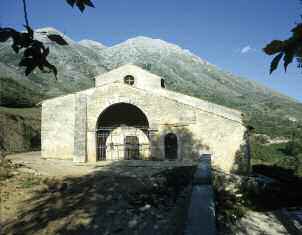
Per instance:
{"type": "Point", "coordinates": [130, 114]}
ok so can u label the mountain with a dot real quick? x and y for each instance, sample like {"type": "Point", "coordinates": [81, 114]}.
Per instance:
{"type": "Point", "coordinates": [78, 63]}
{"type": "Point", "coordinates": [92, 44]}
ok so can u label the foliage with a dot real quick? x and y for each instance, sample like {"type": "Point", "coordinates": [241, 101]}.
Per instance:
{"type": "Point", "coordinates": [276, 180]}
{"type": "Point", "coordinates": [30, 181]}
{"type": "Point", "coordinates": [5, 166]}
{"type": "Point", "coordinates": [15, 94]}
{"type": "Point", "coordinates": [81, 4]}
{"type": "Point", "coordinates": [229, 201]}
{"type": "Point", "coordinates": [287, 49]}
{"type": "Point", "coordinates": [266, 193]}
{"type": "Point", "coordinates": [241, 164]}
{"type": "Point", "coordinates": [35, 53]}
{"type": "Point", "coordinates": [278, 155]}
{"type": "Point", "coordinates": [271, 124]}
{"type": "Point", "coordinates": [20, 129]}
{"type": "Point", "coordinates": [294, 146]}
{"type": "Point", "coordinates": [261, 139]}
{"type": "Point", "coordinates": [269, 154]}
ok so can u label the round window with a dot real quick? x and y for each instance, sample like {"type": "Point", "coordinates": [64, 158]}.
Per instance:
{"type": "Point", "coordinates": [129, 80]}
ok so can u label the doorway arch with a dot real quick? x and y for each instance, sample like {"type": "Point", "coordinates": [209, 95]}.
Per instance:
{"type": "Point", "coordinates": [171, 146]}
{"type": "Point", "coordinates": [116, 116]}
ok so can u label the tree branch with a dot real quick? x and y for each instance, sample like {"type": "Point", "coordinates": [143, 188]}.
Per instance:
{"type": "Point", "coordinates": [25, 13]}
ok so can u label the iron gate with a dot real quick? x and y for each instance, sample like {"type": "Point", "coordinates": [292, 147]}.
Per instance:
{"type": "Point", "coordinates": [128, 149]}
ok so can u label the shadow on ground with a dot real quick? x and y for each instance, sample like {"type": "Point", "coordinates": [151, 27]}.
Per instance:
{"type": "Point", "coordinates": [118, 200]}
{"type": "Point", "coordinates": [281, 189]}
{"type": "Point", "coordinates": [248, 204]}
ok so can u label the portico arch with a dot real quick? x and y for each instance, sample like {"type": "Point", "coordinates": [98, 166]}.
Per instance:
{"type": "Point", "coordinates": [115, 116]}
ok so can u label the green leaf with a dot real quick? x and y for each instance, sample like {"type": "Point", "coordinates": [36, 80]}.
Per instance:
{"type": "Point", "coordinates": [275, 62]}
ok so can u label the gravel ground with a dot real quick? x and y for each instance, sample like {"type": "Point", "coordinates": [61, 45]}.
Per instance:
{"type": "Point", "coordinates": [45, 197]}
{"type": "Point", "coordinates": [260, 223]}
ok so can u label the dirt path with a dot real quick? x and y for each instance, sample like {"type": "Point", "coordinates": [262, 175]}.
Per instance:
{"type": "Point", "coordinates": [31, 162]}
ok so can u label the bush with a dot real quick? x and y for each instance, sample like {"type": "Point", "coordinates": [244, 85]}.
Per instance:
{"type": "Point", "coordinates": [287, 156]}
{"type": "Point", "coordinates": [293, 148]}
{"type": "Point", "coordinates": [30, 181]}
{"type": "Point", "coordinates": [229, 200]}
{"type": "Point", "coordinates": [273, 188]}
{"type": "Point", "coordinates": [5, 168]}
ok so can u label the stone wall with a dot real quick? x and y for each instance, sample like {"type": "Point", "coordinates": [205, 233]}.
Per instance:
{"type": "Point", "coordinates": [197, 130]}
{"type": "Point", "coordinates": [57, 128]}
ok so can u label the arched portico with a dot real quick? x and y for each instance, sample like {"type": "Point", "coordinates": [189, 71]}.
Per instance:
{"type": "Point", "coordinates": [116, 126]}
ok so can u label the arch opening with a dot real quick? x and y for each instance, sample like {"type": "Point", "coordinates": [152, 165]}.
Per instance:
{"type": "Point", "coordinates": [114, 124]}
{"type": "Point", "coordinates": [122, 114]}
{"type": "Point", "coordinates": [171, 146]}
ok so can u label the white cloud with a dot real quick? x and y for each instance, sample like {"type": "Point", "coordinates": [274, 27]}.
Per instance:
{"type": "Point", "coordinates": [246, 49]}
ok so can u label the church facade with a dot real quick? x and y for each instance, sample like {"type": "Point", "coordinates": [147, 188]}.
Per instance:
{"type": "Point", "coordinates": [129, 114]}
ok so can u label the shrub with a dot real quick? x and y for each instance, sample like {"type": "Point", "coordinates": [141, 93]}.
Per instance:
{"type": "Point", "coordinates": [229, 200]}
{"type": "Point", "coordinates": [5, 168]}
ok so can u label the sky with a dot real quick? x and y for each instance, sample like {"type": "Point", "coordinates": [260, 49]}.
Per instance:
{"type": "Point", "coordinates": [228, 33]}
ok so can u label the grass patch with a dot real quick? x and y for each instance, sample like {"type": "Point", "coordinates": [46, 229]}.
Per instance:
{"type": "Point", "coordinates": [30, 181]}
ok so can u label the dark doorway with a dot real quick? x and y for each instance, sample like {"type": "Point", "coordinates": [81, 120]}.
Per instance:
{"type": "Point", "coordinates": [171, 146]}
{"type": "Point", "coordinates": [131, 148]}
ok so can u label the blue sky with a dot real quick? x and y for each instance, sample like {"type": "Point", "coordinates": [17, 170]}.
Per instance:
{"type": "Point", "coordinates": [229, 34]}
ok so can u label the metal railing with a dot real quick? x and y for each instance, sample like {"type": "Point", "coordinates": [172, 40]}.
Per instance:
{"type": "Point", "coordinates": [108, 148]}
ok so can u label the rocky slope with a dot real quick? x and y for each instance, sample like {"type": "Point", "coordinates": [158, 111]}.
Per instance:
{"type": "Point", "coordinates": [183, 71]}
